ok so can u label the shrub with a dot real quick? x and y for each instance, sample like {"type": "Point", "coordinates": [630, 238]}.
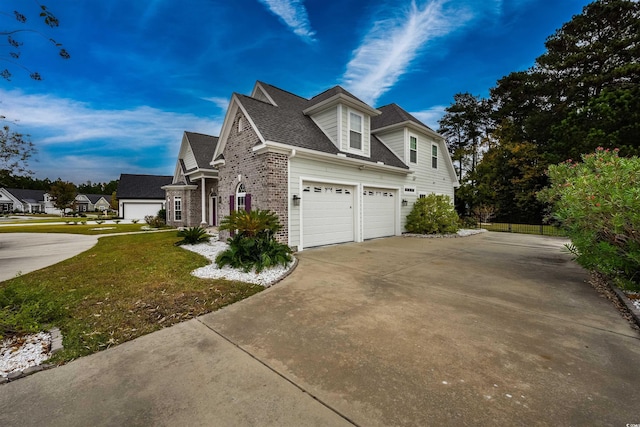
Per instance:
{"type": "Point", "coordinates": [254, 244]}
{"type": "Point", "coordinates": [154, 221]}
{"type": "Point", "coordinates": [135, 221]}
{"type": "Point", "coordinates": [162, 214]}
{"type": "Point", "coordinates": [192, 235]}
{"type": "Point", "coordinates": [597, 202]}
{"type": "Point", "coordinates": [433, 214]}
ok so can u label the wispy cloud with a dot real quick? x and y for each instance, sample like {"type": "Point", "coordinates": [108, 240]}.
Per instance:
{"type": "Point", "coordinates": [219, 101]}
{"type": "Point", "coordinates": [294, 15]}
{"type": "Point", "coordinates": [79, 142]}
{"type": "Point", "coordinates": [389, 48]}
{"type": "Point", "coordinates": [431, 116]}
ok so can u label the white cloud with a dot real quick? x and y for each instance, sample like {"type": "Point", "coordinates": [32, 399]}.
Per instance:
{"type": "Point", "coordinates": [294, 14]}
{"type": "Point", "coordinates": [431, 116]}
{"type": "Point", "coordinates": [78, 143]}
{"type": "Point", "coordinates": [388, 49]}
{"type": "Point", "coordinates": [220, 102]}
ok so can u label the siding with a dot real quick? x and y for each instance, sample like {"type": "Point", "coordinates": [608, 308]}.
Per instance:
{"type": "Point", "coordinates": [395, 141]}
{"type": "Point", "coordinates": [327, 121]}
{"type": "Point", "coordinates": [189, 159]}
{"type": "Point", "coordinates": [429, 180]}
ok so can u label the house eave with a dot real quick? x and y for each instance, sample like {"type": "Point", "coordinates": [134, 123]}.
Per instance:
{"type": "Point", "coordinates": [338, 158]}
{"type": "Point", "coordinates": [341, 98]}
{"type": "Point", "coordinates": [179, 187]}
{"type": "Point", "coordinates": [408, 124]}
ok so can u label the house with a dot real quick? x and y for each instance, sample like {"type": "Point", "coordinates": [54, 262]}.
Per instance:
{"type": "Point", "coordinates": [141, 195]}
{"type": "Point", "coordinates": [20, 200]}
{"type": "Point", "coordinates": [92, 202]}
{"type": "Point", "coordinates": [333, 168]}
{"type": "Point", "coordinates": [194, 184]}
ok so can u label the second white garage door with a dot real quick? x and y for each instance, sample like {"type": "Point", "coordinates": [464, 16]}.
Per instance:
{"type": "Point", "coordinates": [379, 219]}
{"type": "Point", "coordinates": [327, 214]}
{"type": "Point", "coordinates": [140, 210]}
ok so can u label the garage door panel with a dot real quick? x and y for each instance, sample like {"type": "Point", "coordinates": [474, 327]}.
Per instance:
{"type": "Point", "coordinates": [327, 214]}
{"type": "Point", "coordinates": [140, 210]}
{"type": "Point", "coordinates": [379, 217]}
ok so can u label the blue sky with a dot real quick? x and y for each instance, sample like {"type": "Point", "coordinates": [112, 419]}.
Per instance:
{"type": "Point", "coordinates": [143, 71]}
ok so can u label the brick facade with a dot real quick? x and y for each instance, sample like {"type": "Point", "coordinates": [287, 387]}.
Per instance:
{"type": "Point", "coordinates": [264, 176]}
{"type": "Point", "coordinates": [191, 204]}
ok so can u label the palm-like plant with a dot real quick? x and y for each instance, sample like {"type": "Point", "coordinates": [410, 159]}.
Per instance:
{"type": "Point", "coordinates": [252, 223]}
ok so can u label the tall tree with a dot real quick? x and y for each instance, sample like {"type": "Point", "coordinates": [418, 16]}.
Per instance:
{"type": "Point", "coordinates": [15, 151]}
{"type": "Point", "coordinates": [63, 195]}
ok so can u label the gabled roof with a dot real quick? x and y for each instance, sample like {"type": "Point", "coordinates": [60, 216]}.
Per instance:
{"type": "Point", "coordinates": [203, 147]}
{"type": "Point", "coordinates": [94, 198]}
{"type": "Point", "coordinates": [393, 114]}
{"type": "Point", "coordinates": [28, 196]}
{"type": "Point", "coordinates": [131, 186]}
{"type": "Point", "coordinates": [287, 124]}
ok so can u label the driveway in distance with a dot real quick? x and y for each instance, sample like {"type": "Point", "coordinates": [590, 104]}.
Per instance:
{"type": "Point", "coordinates": [493, 329]}
{"type": "Point", "coordinates": [22, 253]}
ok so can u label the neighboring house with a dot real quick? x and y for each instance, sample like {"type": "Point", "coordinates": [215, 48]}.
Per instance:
{"type": "Point", "coordinates": [19, 200]}
{"type": "Point", "coordinates": [92, 202]}
{"type": "Point", "coordinates": [193, 188]}
{"type": "Point", "coordinates": [141, 195]}
{"type": "Point", "coordinates": [332, 168]}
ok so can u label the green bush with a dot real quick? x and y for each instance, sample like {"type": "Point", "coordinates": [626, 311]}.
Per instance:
{"type": "Point", "coordinates": [26, 310]}
{"type": "Point", "coordinates": [433, 214]}
{"type": "Point", "coordinates": [597, 202]}
{"type": "Point", "coordinates": [254, 244]}
{"type": "Point", "coordinates": [154, 221]}
{"type": "Point", "coordinates": [192, 236]}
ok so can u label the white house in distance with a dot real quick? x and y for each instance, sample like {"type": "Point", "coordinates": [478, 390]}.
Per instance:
{"type": "Point", "coordinates": [333, 168]}
{"type": "Point", "coordinates": [140, 195]}
{"type": "Point", "coordinates": [39, 201]}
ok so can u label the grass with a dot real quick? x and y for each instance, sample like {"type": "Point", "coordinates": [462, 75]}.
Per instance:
{"type": "Point", "coordinates": [91, 228]}
{"type": "Point", "coordinates": [546, 230]}
{"type": "Point", "coordinates": [124, 287]}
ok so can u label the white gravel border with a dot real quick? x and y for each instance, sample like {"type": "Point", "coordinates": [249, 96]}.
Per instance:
{"type": "Point", "coordinates": [463, 232]}
{"type": "Point", "coordinates": [211, 249]}
{"type": "Point", "coordinates": [16, 356]}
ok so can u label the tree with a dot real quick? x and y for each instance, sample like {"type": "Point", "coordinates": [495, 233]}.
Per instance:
{"type": "Point", "coordinates": [15, 151]}
{"type": "Point", "coordinates": [63, 195]}
{"type": "Point", "coordinates": [15, 44]}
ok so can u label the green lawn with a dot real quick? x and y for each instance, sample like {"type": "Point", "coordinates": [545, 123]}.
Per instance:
{"type": "Point", "coordinates": [75, 228]}
{"type": "Point", "coordinates": [546, 230]}
{"type": "Point", "coordinates": [124, 287]}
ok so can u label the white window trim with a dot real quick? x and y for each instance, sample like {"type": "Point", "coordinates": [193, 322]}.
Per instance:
{"type": "Point", "coordinates": [240, 195]}
{"type": "Point", "coordinates": [175, 211]}
{"type": "Point", "coordinates": [437, 155]}
{"type": "Point", "coordinates": [359, 151]}
{"type": "Point", "coordinates": [411, 135]}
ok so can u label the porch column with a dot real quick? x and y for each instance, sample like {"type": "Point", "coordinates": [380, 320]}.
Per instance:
{"type": "Point", "coordinates": [203, 202]}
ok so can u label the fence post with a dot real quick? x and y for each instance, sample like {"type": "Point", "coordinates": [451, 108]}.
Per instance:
{"type": "Point", "coordinates": [509, 227]}
{"type": "Point", "coordinates": [542, 229]}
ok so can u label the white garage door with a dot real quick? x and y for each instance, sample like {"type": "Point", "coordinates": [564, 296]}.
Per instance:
{"type": "Point", "coordinates": [379, 219]}
{"type": "Point", "coordinates": [140, 210]}
{"type": "Point", "coordinates": [327, 214]}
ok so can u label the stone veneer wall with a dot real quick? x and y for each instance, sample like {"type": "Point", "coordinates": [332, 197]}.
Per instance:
{"type": "Point", "coordinates": [264, 176]}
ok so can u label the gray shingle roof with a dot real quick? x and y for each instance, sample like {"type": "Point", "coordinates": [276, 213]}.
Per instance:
{"type": "Point", "coordinates": [287, 124]}
{"type": "Point", "coordinates": [131, 186]}
{"type": "Point", "coordinates": [94, 198]}
{"type": "Point", "coordinates": [29, 196]}
{"type": "Point", "coordinates": [393, 114]}
{"type": "Point", "coordinates": [203, 147]}
{"type": "Point", "coordinates": [330, 93]}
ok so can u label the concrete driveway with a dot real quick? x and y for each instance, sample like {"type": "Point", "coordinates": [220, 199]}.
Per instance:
{"type": "Point", "coordinates": [494, 329]}
{"type": "Point", "coordinates": [22, 253]}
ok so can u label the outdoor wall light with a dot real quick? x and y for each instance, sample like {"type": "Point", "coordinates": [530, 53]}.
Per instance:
{"type": "Point", "coordinates": [404, 202]}
{"type": "Point", "coordinates": [296, 200]}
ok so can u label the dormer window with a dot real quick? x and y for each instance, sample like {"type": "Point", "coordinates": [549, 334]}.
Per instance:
{"type": "Point", "coordinates": [413, 149]}
{"type": "Point", "coordinates": [355, 131]}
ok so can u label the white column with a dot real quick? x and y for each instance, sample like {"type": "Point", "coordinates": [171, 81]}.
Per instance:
{"type": "Point", "coordinates": [203, 202]}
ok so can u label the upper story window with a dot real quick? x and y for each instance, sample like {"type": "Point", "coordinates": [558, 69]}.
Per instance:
{"type": "Point", "coordinates": [413, 149]}
{"type": "Point", "coordinates": [355, 131]}
{"type": "Point", "coordinates": [434, 156]}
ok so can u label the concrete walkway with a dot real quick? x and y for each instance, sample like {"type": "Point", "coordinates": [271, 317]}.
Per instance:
{"type": "Point", "coordinates": [494, 329]}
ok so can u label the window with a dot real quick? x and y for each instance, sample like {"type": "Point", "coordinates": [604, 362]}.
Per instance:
{"type": "Point", "coordinates": [177, 208]}
{"type": "Point", "coordinates": [240, 124]}
{"type": "Point", "coordinates": [241, 198]}
{"type": "Point", "coordinates": [413, 149]}
{"type": "Point", "coordinates": [355, 131]}
{"type": "Point", "coordinates": [434, 156]}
